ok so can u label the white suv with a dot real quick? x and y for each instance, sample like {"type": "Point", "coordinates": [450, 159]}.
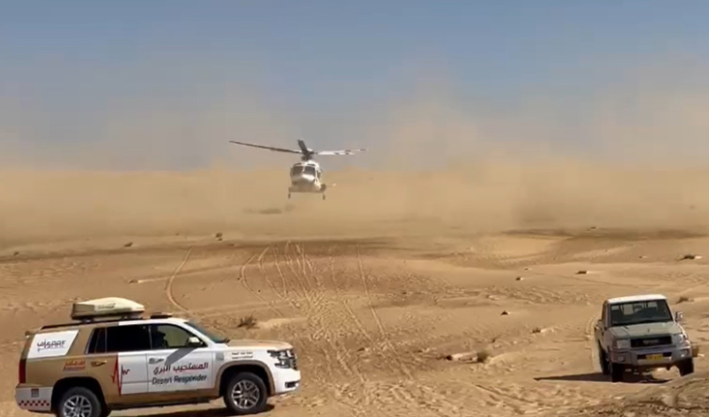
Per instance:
{"type": "Point", "coordinates": [114, 358]}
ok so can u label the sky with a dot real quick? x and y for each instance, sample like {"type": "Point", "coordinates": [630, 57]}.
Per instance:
{"type": "Point", "coordinates": [165, 83]}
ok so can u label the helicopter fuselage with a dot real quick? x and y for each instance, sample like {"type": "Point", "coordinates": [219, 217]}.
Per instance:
{"type": "Point", "coordinates": [306, 177]}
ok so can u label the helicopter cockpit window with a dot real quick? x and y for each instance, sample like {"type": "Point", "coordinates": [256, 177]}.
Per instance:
{"type": "Point", "coordinates": [295, 170]}
{"type": "Point", "coordinates": [309, 170]}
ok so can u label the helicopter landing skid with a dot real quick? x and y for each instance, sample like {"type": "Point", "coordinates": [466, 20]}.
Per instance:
{"type": "Point", "coordinates": [321, 191]}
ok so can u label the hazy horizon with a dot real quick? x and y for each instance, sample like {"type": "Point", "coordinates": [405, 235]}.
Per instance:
{"type": "Point", "coordinates": [164, 86]}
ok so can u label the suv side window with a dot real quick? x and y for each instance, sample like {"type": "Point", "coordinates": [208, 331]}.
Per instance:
{"type": "Point", "coordinates": [170, 336]}
{"type": "Point", "coordinates": [97, 343]}
{"type": "Point", "coordinates": [131, 338]}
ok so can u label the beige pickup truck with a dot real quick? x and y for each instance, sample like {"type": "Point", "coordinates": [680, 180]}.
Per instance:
{"type": "Point", "coordinates": [113, 357]}
{"type": "Point", "coordinates": [639, 333]}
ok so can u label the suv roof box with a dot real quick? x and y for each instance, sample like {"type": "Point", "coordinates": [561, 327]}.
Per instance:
{"type": "Point", "coordinates": [106, 307]}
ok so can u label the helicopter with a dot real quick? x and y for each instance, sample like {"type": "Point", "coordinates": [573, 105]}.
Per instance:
{"type": "Point", "coordinates": [306, 175]}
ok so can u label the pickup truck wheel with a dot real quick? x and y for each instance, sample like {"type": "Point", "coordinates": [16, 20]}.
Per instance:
{"type": "Point", "coordinates": [245, 394]}
{"type": "Point", "coordinates": [80, 402]}
{"type": "Point", "coordinates": [617, 371]}
{"type": "Point", "coordinates": [686, 367]}
{"type": "Point", "coordinates": [603, 360]}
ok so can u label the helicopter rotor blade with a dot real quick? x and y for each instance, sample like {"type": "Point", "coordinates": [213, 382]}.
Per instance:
{"type": "Point", "coordinates": [282, 150]}
{"type": "Point", "coordinates": [340, 152]}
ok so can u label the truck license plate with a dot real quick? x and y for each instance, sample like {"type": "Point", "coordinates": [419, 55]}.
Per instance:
{"type": "Point", "coordinates": [655, 357]}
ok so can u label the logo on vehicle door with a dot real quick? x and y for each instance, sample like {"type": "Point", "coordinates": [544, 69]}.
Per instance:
{"type": "Point", "coordinates": [117, 378]}
{"type": "Point", "coordinates": [75, 365]}
{"type": "Point", "coordinates": [48, 344]}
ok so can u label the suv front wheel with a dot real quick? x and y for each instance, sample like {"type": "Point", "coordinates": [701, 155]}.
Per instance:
{"type": "Point", "coordinates": [245, 394]}
{"type": "Point", "coordinates": [79, 402]}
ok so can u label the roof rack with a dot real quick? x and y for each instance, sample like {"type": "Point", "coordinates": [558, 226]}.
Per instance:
{"type": "Point", "coordinates": [160, 315]}
{"type": "Point", "coordinates": [104, 308]}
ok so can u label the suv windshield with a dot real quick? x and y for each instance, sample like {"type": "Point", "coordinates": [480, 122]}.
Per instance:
{"type": "Point", "coordinates": [208, 333]}
{"type": "Point", "coordinates": [655, 311]}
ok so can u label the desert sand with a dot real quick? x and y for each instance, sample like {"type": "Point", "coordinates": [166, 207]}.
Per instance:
{"type": "Point", "coordinates": [378, 284]}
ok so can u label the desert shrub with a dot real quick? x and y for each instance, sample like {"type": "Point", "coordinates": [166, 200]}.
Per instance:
{"type": "Point", "coordinates": [483, 355]}
{"type": "Point", "coordinates": [248, 322]}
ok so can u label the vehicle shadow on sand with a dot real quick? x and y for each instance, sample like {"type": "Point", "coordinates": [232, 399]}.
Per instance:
{"type": "Point", "coordinates": [209, 412]}
{"type": "Point", "coordinates": [600, 378]}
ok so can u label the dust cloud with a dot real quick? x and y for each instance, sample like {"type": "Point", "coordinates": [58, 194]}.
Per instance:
{"type": "Point", "coordinates": [628, 160]}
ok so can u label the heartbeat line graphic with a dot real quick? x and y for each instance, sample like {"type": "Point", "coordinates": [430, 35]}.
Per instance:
{"type": "Point", "coordinates": [117, 378]}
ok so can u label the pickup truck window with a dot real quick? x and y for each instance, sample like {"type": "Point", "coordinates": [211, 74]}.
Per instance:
{"type": "Point", "coordinates": [625, 314]}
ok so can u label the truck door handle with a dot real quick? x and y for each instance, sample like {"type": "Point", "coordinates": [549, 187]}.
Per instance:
{"type": "Point", "coordinates": [98, 363]}
{"type": "Point", "coordinates": [155, 360]}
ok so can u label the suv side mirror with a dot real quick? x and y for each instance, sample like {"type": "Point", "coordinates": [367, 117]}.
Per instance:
{"type": "Point", "coordinates": [679, 317]}
{"type": "Point", "coordinates": [194, 342]}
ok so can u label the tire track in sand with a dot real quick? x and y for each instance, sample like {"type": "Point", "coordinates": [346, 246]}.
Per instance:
{"type": "Point", "coordinates": [325, 316]}
{"type": "Point", "coordinates": [365, 393]}
{"type": "Point", "coordinates": [262, 270]}
{"type": "Point", "coordinates": [340, 294]}
{"type": "Point", "coordinates": [258, 295]}
{"type": "Point", "coordinates": [289, 264]}
{"type": "Point", "coordinates": [335, 320]}
{"type": "Point", "coordinates": [590, 333]}
{"type": "Point", "coordinates": [410, 391]}
{"type": "Point", "coordinates": [245, 280]}
{"type": "Point", "coordinates": [385, 337]}
{"type": "Point", "coordinates": [317, 313]}
{"type": "Point", "coordinates": [303, 263]}
{"type": "Point", "coordinates": [277, 265]}
{"type": "Point", "coordinates": [402, 394]}
{"type": "Point", "coordinates": [168, 286]}
{"type": "Point", "coordinates": [330, 318]}
{"type": "Point", "coordinates": [291, 299]}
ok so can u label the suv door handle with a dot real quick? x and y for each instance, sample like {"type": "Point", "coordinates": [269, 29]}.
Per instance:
{"type": "Point", "coordinates": [155, 360]}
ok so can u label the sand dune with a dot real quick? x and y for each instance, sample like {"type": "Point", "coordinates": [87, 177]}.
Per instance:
{"type": "Point", "coordinates": [686, 396]}
{"type": "Point", "coordinates": [376, 285]}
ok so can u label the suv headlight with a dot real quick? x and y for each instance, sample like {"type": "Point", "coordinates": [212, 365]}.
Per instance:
{"type": "Point", "coordinates": [622, 344]}
{"type": "Point", "coordinates": [284, 358]}
{"type": "Point", "coordinates": [681, 338]}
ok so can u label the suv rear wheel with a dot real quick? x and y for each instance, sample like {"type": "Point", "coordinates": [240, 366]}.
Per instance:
{"type": "Point", "coordinates": [79, 402]}
{"type": "Point", "coordinates": [245, 394]}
